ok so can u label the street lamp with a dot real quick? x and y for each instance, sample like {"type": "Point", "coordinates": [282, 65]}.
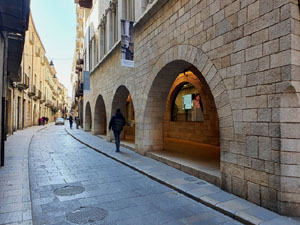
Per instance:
{"type": "Point", "coordinates": [52, 64]}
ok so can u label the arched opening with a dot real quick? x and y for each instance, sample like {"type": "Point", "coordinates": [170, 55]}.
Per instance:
{"type": "Point", "coordinates": [182, 123]}
{"type": "Point", "coordinates": [88, 118]}
{"type": "Point", "coordinates": [100, 122]}
{"type": "Point", "coordinates": [123, 101]}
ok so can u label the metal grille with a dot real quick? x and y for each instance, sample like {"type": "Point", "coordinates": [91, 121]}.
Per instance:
{"type": "Point", "coordinates": [69, 190]}
{"type": "Point", "coordinates": [85, 215]}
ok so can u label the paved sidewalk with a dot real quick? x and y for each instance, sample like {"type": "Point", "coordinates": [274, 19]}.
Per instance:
{"type": "Point", "coordinates": [192, 187]}
{"type": "Point", "coordinates": [15, 202]}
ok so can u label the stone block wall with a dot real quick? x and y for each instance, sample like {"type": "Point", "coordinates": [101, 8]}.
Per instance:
{"type": "Point", "coordinates": [247, 53]}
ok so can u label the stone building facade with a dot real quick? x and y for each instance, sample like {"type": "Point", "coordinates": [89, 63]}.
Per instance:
{"type": "Point", "coordinates": [38, 93]}
{"type": "Point", "coordinates": [243, 54]}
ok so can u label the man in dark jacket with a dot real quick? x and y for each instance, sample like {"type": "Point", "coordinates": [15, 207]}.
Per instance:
{"type": "Point", "coordinates": [71, 121]}
{"type": "Point", "coordinates": [117, 123]}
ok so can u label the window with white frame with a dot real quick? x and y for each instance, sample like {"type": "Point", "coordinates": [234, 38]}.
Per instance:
{"type": "Point", "coordinates": [105, 36]}
{"type": "Point", "coordinates": [90, 55]}
{"type": "Point", "coordinates": [116, 22]}
{"type": "Point", "coordinates": [95, 51]}
{"type": "Point", "coordinates": [129, 9]}
{"type": "Point", "coordinates": [114, 9]}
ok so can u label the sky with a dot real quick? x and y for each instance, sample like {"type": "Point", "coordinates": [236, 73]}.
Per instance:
{"type": "Point", "coordinates": [55, 21]}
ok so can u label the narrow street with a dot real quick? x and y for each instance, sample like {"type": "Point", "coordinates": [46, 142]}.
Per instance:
{"type": "Point", "coordinates": [99, 190]}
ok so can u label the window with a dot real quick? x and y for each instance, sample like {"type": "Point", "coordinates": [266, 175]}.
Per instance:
{"type": "Point", "coordinates": [104, 39]}
{"type": "Point", "coordinates": [115, 25]}
{"type": "Point", "coordinates": [129, 9]}
{"type": "Point", "coordinates": [95, 44]}
{"type": "Point", "coordinates": [90, 56]}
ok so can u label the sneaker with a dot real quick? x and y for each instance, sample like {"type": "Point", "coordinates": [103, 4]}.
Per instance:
{"type": "Point", "coordinates": [117, 150]}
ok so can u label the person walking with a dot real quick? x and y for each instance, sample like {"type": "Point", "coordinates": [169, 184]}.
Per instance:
{"type": "Point", "coordinates": [71, 121]}
{"type": "Point", "coordinates": [117, 123]}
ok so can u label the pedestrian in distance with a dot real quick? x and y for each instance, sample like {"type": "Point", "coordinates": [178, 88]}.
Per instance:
{"type": "Point", "coordinates": [117, 123]}
{"type": "Point", "coordinates": [71, 121]}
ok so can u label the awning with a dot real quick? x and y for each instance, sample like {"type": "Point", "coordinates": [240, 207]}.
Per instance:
{"type": "Point", "coordinates": [85, 3]}
{"type": "Point", "coordinates": [14, 15]}
{"type": "Point", "coordinates": [15, 51]}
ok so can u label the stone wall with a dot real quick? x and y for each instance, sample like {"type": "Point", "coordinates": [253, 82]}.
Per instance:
{"type": "Point", "coordinates": [247, 53]}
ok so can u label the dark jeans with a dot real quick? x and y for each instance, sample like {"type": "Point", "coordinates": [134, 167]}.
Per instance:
{"type": "Point", "coordinates": [71, 123]}
{"type": "Point", "coordinates": [117, 140]}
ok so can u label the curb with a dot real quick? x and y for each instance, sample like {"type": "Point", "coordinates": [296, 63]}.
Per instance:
{"type": "Point", "coordinates": [241, 219]}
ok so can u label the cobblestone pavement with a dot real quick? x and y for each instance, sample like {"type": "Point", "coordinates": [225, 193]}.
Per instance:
{"type": "Point", "coordinates": [71, 182]}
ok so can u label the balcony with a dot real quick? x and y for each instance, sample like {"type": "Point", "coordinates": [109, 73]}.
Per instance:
{"type": "Point", "coordinates": [43, 60]}
{"type": "Point", "coordinates": [31, 38]}
{"type": "Point", "coordinates": [24, 84]}
{"type": "Point", "coordinates": [38, 94]}
{"type": "Point", "coordinates": [85, 3]}
{"type": "Point", "coordinates": [49, 103]}
{"type": "Point", "coordinates": [79, 90]}
{"type": "Point", "coordinates": [37, 51]}
{"type": "Point", "coordinates": [79, 62]}
{"type": "Point", "coordinates": [78, 68]}
{"type": "Point", "coordinates": [31, 91]}
{"type": "Point", "coordinates": [43, 99]}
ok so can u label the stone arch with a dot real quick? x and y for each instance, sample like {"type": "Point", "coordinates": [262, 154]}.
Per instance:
{"type": "Point", "coordinates": [164, 73]}
{"type": "Point", "coordinates": [88, 117]}
{"type": "Point", "coordinates": [123, 100]}
{"type": "Point", "coordinates": [100, 121]}
{"type": "Point", "coordinates": [289, 118]}
{"type": "Point", "coordinates": [193, 128]}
